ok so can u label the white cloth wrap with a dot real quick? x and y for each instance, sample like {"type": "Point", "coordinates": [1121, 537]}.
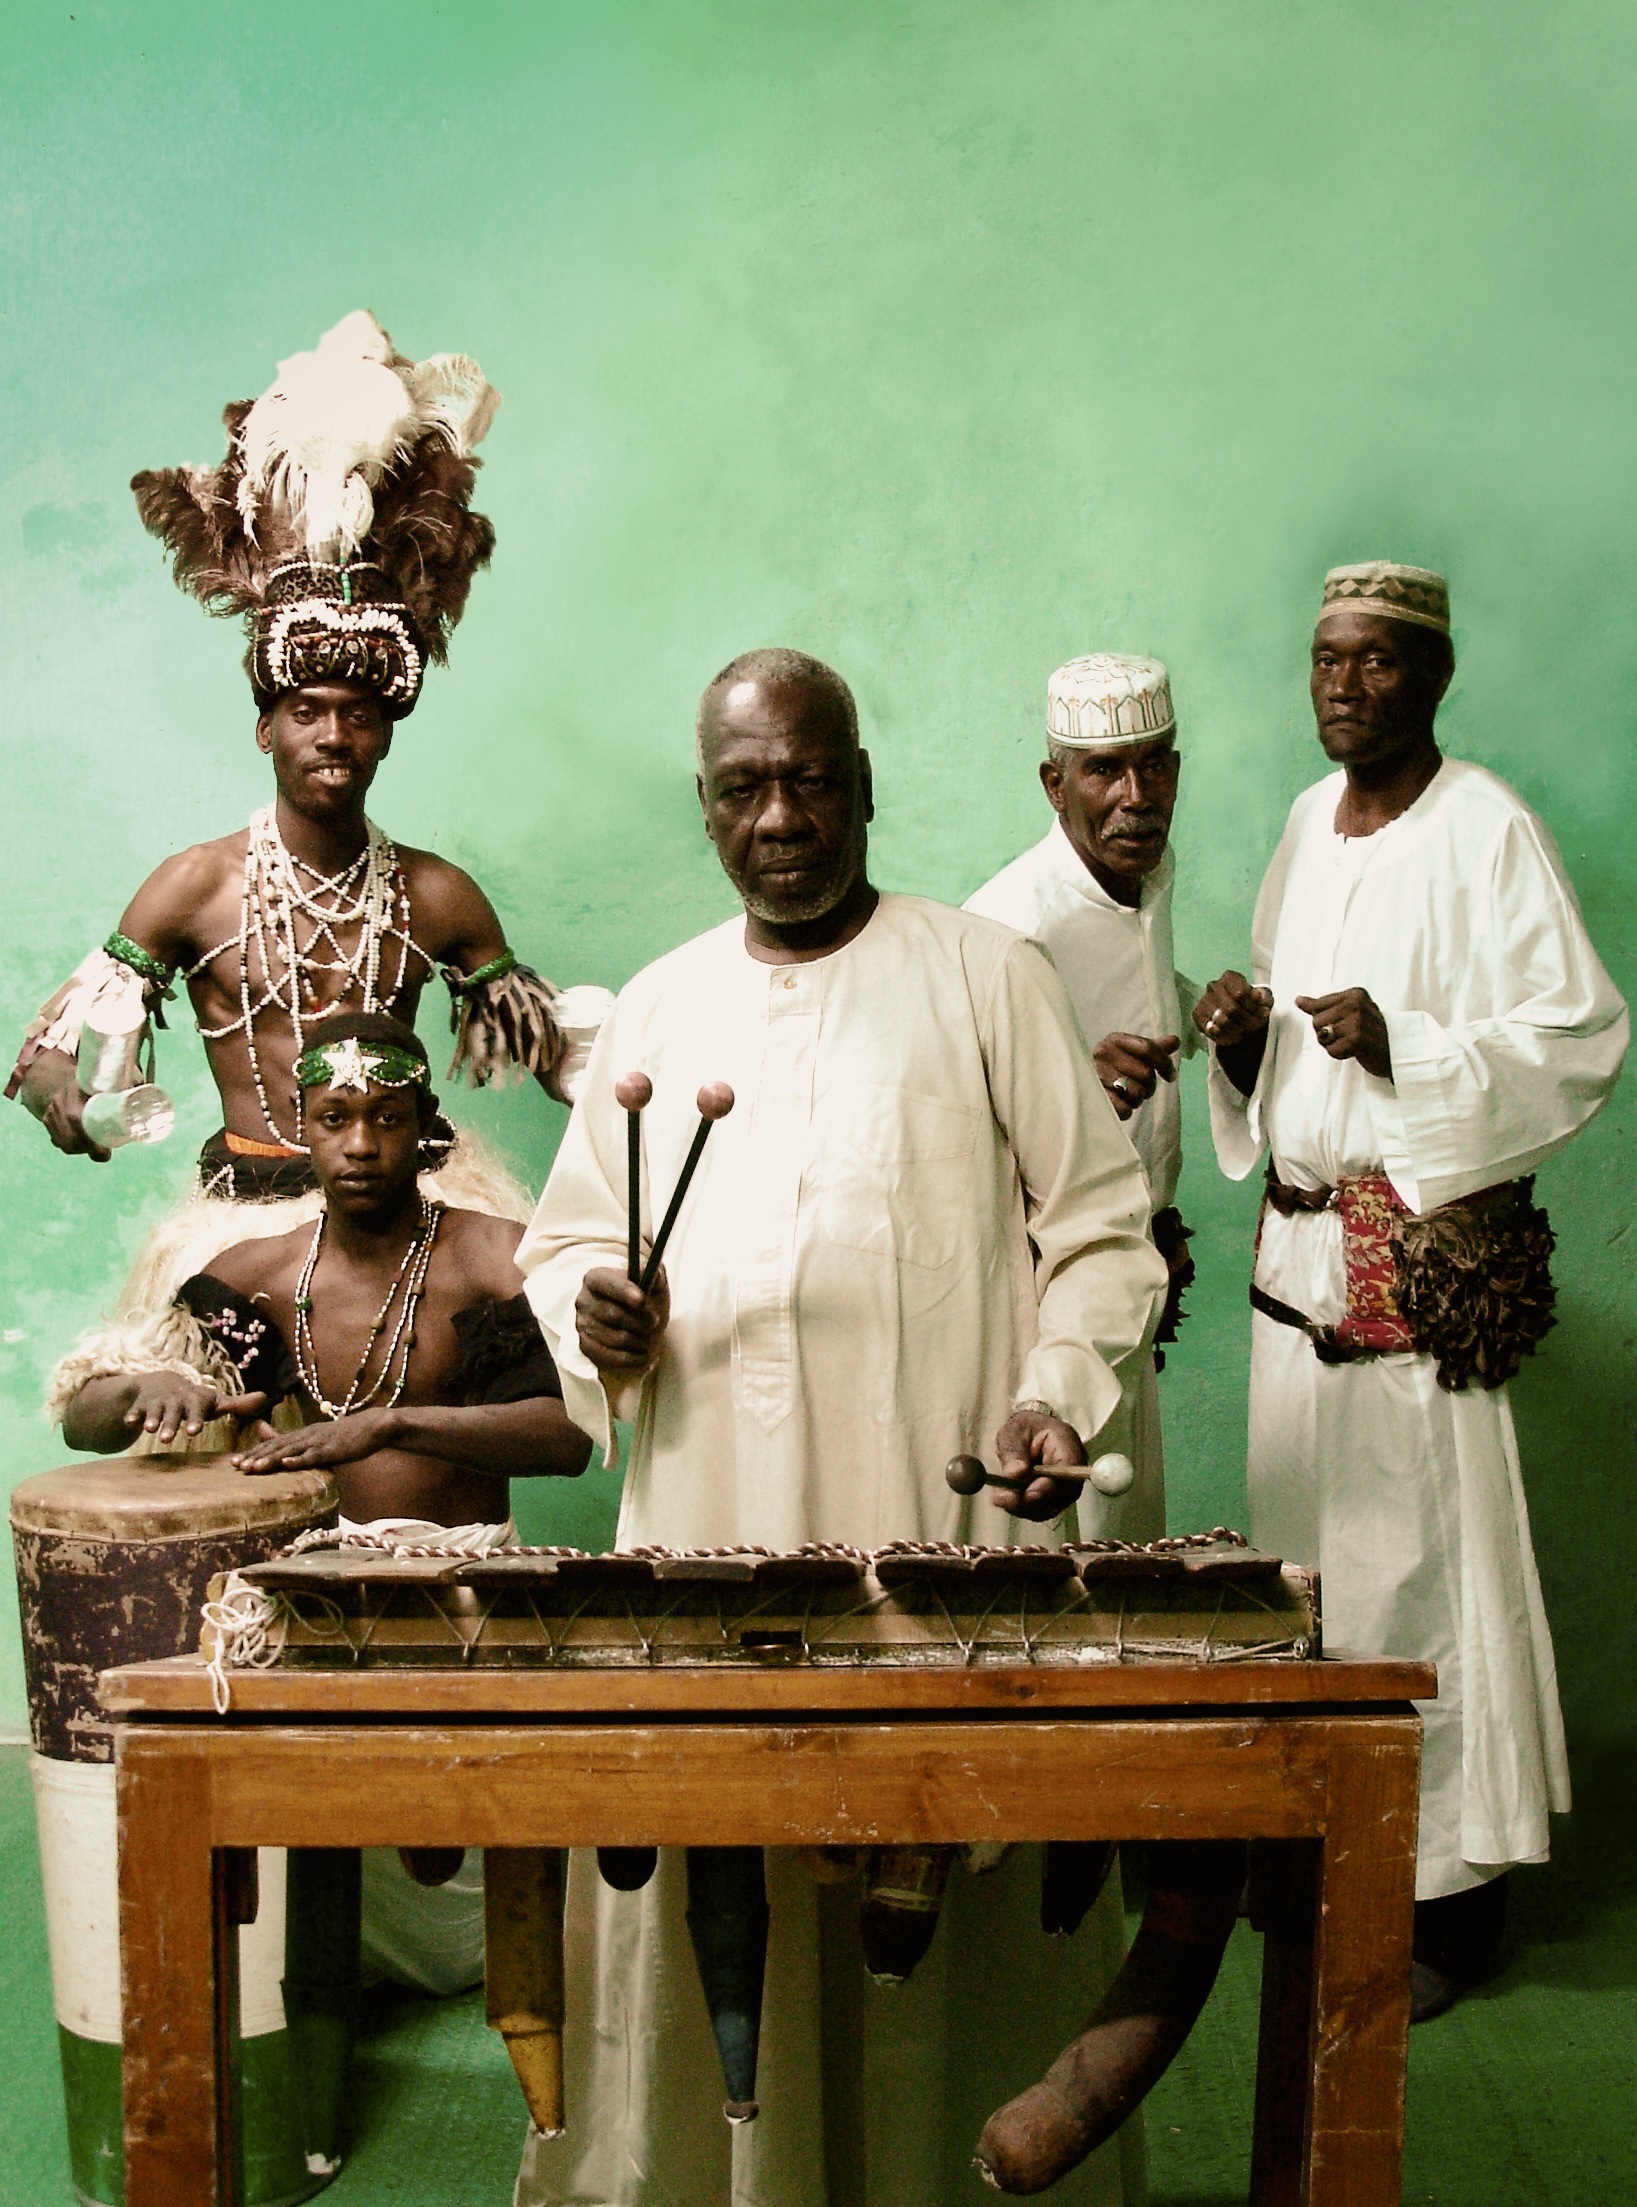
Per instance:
{"type": "Point", "coordinates": [1507, 1037]}
{"type": "Point", "coordinates": [99, 986]}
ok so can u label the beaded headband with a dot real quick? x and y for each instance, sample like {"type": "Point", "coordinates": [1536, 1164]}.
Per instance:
{"type": "Point", "coordinates": [354, 1064]}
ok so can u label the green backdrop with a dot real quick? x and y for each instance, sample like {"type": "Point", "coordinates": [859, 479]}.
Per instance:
{"type": "Point", "coordinates": [943, 340]}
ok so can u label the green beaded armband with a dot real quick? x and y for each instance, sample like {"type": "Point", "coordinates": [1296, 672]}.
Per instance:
{"type": "Point", "coordinates": [143, 962]}
{"type": "Point", "coordinates": [463, 984]}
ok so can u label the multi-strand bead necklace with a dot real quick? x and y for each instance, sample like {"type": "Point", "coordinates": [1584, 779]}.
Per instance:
{"type": "Point", "coordinates": [294, 916]}
{"type": "Point", "coordinates": [409, 1280]}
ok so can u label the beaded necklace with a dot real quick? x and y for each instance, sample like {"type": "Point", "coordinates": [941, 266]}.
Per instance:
{"type": "Point", "coordinates": [411, 1278]}
{"type": "Point", "coordinates": [371, 894]}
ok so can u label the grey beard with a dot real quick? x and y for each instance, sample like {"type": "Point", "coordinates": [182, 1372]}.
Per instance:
{"type": "Point", "coordinates": [810, 908]}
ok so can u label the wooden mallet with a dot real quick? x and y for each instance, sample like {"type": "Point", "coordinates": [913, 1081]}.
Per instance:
{"type": "Point", "coordinates": [1110, 1474]}
{"type": "Point", "coordinates": [715, 1102]}
{"type": "Point", "coordinates": [633, 1092]}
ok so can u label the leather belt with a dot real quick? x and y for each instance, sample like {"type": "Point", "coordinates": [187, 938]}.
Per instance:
{"type": "Point", "coordinates": [1287, 1201]}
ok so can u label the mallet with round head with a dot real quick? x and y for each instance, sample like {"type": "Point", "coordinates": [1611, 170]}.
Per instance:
{"type": "Point", "coordinates": [633, 1092]}
{"type": "Point", "coordinates": [1111, 1474]}
{"type": "Point", "coordinates": [715, 1102]}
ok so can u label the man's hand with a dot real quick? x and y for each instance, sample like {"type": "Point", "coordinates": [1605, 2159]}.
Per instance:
{"type": "Point", "coordinates": [1129, 1066]}
{"type": "Point", "coordinates": [1031, 1437]}
{"type": "Point", "coordinates": [1234, 1018]}
{"type": "Point", "coordinates": [166, 1404]}
{"type": "Point", "coordinates": [620, 1328]}
{"type": "Point", "coordinates": [1349, 1025]}
{"type": "Point", "coordinates": [51, 1091]}
{"type": "Point", "coordinates": [325, 1442]}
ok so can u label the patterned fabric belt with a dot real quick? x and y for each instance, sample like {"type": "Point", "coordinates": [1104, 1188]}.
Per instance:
{"type": "Point", "coordinates": [1468, 1284]}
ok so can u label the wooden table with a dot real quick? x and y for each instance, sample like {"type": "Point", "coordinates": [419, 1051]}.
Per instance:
{"type": "Point", "coordinates": [1320, 1759]}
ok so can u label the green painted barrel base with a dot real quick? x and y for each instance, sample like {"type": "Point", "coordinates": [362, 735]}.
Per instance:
{"type": "Point", "coordinates": [275, 2166]}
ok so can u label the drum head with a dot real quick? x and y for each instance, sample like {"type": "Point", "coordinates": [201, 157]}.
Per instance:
{"type": "Point", "coordinates": [136, 1498]}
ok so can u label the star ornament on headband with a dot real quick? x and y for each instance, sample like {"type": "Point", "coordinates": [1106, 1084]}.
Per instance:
{"type": "Point", "coordinates": [354, 1064]}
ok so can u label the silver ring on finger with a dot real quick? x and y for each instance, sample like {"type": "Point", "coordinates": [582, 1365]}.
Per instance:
{"type": "Point", "coordinates": [1327, 1035]}
{"type": "Point", "coordinates": [1213, 1025]}
{"type": "Point", "coordinates": [1124, 1087]}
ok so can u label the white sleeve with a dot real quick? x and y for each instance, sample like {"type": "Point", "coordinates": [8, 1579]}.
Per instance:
{"type": "Point", "coordinates": [1489, 1099]}
{"type": "Point", "coordinates": [1237, 1120]}
{"type": "Point", "coordinates": [580, 1223]}
{"type": "Point", "coordinates": [1099, 1282]}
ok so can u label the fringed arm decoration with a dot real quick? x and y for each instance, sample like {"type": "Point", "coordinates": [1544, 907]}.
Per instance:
{"type": "Point", "coordinates": [502, 1020]}
{"type": "Point", "coordinates": [112, 980]}
{"type": "Point", "coordinates": [134, 1347]}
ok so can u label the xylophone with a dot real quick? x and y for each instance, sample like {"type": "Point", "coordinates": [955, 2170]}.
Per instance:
{"type": "Point", "coordinates": [350, 1602]}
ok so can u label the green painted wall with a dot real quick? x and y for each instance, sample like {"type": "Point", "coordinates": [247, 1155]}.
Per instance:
{"type": "Point", "coordinates": [945, 340]}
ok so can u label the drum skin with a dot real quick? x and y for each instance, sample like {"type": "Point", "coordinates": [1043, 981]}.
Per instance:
{"type": "Point", "coordinates": [114, 1557]}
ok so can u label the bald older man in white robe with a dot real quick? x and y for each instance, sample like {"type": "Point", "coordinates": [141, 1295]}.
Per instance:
{"type": "Point", "coordinates": [1425, 1009]}
{"type": "Point", "coordinates": [919, 1232]}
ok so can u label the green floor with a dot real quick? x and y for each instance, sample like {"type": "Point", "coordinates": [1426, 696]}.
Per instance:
{"type": "Point", "coordinates": [1523, 2097]}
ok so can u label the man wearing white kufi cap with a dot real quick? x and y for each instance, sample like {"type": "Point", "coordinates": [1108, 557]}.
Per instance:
{"type": "Point", "coordinates": [1096, 892]}
{"type": "Point", "coordinates": [1425, 1022]}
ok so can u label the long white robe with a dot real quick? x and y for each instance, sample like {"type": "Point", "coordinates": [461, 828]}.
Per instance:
{"type": "Point", "coordinates": [1506, 1037]}
{"type": "Point", "coordinates": [921, 1210]}
{"type": "Point", "coordinates": [1118, 966]}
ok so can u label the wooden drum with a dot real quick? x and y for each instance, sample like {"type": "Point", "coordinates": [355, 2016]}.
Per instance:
{"type": "Point", "coordinates": [114, 1560]}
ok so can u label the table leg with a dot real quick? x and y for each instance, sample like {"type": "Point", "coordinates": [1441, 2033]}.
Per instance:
{"type": "Point", "coordinates": [1285, 1909]}
{"type": "Point", "coordinates": [176, 1908]}
{"type": "Point", "coordinates": [1336, 1988]}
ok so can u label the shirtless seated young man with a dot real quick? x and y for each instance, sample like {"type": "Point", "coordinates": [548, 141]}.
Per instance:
{"type": "Point", "coordinates": [390, 1340]}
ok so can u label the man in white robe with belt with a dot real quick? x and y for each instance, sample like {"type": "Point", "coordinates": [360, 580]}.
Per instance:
{"type": "Point", "coordinates": [920, 1232]}
{"type": "Point", "coordinates": [1095, 892]}
{"type": "Point", "coordinates": [1425, 1023]}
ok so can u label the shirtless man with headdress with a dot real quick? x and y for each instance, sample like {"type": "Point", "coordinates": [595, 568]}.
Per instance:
{"type": "Point", "coordinates": [339, 526]}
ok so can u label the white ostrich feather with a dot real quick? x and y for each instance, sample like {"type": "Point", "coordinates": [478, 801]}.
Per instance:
{"type": "Point", "coordinates": [318, 441]}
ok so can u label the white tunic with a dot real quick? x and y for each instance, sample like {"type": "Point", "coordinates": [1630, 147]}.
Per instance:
{"type": "Point", "coordinates": [1506, 1037]}
{"type": "Point", "coordinates": [1117, 964]}
{"type": "Point", "coordinates": [853, 1300]}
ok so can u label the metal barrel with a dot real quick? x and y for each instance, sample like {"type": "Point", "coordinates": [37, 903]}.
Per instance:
{"type": "Point", "coordinates": [114, 1559]}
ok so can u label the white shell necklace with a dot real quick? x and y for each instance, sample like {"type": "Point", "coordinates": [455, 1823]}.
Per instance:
{"type": "Point", "coordinates": [371, 895]}
{"type": "Point", "coordinates": [411, 1278]}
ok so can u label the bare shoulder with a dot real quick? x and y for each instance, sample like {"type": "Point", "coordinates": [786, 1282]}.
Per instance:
{"type": "Point", "coordinates": [485, 1249]}
{"type": "Point", "coordinates": [452, 913]}
{"type": "Point", "coordinates": [161, 915]}
{"type": "Point", "coordinates": [253, 1267]}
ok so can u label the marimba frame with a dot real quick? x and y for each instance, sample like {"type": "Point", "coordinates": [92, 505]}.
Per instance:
{"type": "Point", "coordinates": [1320, 1760]}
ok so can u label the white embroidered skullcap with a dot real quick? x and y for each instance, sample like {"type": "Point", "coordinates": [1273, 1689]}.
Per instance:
{"type": "Point", "coordinates": [1108, 698]}
{"type": "Point", "coordinates": [1397, 593]}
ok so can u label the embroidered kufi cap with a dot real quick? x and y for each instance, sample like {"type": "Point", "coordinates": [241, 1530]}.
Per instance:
{"type": "Point", "coordinates": [1108, 698]}
{"type": "Point", "coordinates": [1383, 587]}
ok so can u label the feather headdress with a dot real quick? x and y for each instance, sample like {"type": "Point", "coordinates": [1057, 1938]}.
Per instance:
{"type": "Point", "coordinates": [340, 524]}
